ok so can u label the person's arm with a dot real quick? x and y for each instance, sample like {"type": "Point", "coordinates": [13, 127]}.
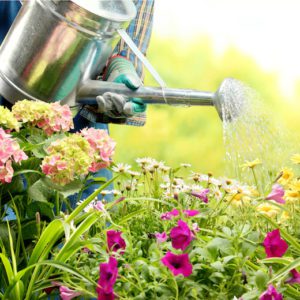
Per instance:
{"type": "Point", "coordinates": [124, 67]}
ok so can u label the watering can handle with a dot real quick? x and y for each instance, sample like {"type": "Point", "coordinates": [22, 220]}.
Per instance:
{"type": "Point", "coordinates": [90, 89]}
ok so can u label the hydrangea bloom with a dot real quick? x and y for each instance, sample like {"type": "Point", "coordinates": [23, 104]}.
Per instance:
{"type": "Point", "coordinates": [68, 158]}
{"type": "Point", "coordinates": [274, 245]}
{"type": "Point", "coordinates": [181, 236]}
{"type": "Point", "coordinates": [178, 264]}
{"type": "Point", "coordinates": [271, 294]}
{"type": "Point", "coordinates": [102, 147]}
{"type": "Point", "coordinates": [108, 277]}
{"type": "Point", "coordinates": [276, 194]}
{"type": "Point", "coordinates": [8, 120]}
{"type": "Point", "coordinates": [115, 241]}
{"type": "Point", "coordinates": [9, 152]}
{"type": "Point", "coordinates": [51, 117]}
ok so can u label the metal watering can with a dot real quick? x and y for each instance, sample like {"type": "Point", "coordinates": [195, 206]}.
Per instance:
{"type": "Point", "coordinates": [55, 50]}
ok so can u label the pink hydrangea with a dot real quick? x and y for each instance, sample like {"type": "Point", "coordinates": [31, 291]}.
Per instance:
{"type": "Point", "coordinates": [274, 245]}
{"type": "Point", "coordinates": [181, 236]}
{"type": "Point", "coordinates": [178, 264]}
{"type": "Point", "coordinates": [102, 147]}
{"type": "Point", "coordinates": [51, 117]}
{"type": "Point", "coordinates": [9, 152]}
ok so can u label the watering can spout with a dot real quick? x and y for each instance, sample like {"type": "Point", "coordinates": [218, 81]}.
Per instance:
{"type": "Point", "coordinates": [90, 89]}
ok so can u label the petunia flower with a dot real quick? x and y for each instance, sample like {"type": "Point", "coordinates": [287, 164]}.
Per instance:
{"type": "Point", "coordinates": [161, 237]}
{"type": "Point", "coordinates": [103, 295]}
{"type": "Point", "coordinates": [191, 213]}
{"type": "Point", "coordinates": [201, 195]}
{"type": "Point", "coordinates": [170, 214]}
{"type": "Point", "coordinates": [107, 280]}
{"type": "Point", "coordinates": [178, 264]}
{"type": "Point", "coordinates": [181, 236]}
{"type": "Point", "coordinates": [68, 294]}
{"type": "Point", "coordinates": [271, 294]}
{"type": "Point", "coordinates": [295, 277]}
{"type": "Point", "coordinates": [274, 245]}
{"type": "Point", "coordinates": [115, 241]}
{"type": "Point", "coordinates": [276, 194]}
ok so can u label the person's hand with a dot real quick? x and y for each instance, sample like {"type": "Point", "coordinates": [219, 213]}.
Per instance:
{"type": "Point", "coordinates": [115, 106]}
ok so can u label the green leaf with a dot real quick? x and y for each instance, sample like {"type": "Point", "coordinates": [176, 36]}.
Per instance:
{"type": "Point", "coordinates": [285, 270]}
{"type": "Point", "coordinates": [261, 280]}
{"type": "Point", "coordinates": [218, 245]}
{"type": "Point", "coordinates": [39, 191]}
{"type": "Point", "coordinates": [67, 190]}
{"type": "Point", "coordinates": [44, 208]}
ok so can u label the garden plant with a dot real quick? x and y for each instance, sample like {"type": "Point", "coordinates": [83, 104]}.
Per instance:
{"type": "Point", "coordinates": [168, 232]}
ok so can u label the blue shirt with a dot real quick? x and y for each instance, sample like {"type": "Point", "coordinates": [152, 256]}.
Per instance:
{"type": "Point", "coordinates": [8, 12]}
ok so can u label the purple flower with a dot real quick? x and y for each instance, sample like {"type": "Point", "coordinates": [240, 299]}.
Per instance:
{"type": "Point", "coordinates": [181, 235]}
{"type": "Point", "coordinates": [115, 241]}
{"type": "Point", "coordinates": [271, 294]}
{"type": "Point", "coordinates": [99, 206]}
{"type": "Point", "coordinates": [295, 277]}
{"type": "Point", "coordinates": [108, 277]}
{"type": "Point", "coordinates": [195, 227]}
{"type": "Point", "coordinates": [103, 295]}
{"type": "Point", "coordinates": [170, 214]}
{"type": "Point", "coordinates": [161, 237]}
{"type": "Point", "coordinates": [201, 195]}
{"type": "Point", "coordinates": [276, 194]}
{"type": "Point", "coordinates": [178, 264]}
{"type": "Point", "coordinates": [67, 294]}
{"type": "Point", "coordinates": [274, 245]}
{"type": "Point", "coordinates": [191, 213]}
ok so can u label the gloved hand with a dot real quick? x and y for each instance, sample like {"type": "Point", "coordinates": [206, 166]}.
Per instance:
{"type": "Point", "coordinates": [115, 106]}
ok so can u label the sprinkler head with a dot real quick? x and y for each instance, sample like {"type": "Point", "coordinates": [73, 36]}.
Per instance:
{"type": "Point", "coordinates": [229, 99]}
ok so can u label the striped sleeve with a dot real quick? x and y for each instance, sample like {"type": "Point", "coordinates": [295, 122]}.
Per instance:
{"type": "Point", "coordinates": [139, 30]}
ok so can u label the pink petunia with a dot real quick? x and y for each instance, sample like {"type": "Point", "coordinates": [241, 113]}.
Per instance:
{"type": "Point", "coordinates": [170, 214]}
{"type": "Point", "coordinates": [274, 245]}
{"type": "Point", "coordinates": [115, 242]}
{"type": "Point", "coordinates": [191, 213]}
{"type": "Point", "coordinates": [276, 194]}
{"type": "Point", "coordinates": [295, 277]}
{"type": "Point", "coordinates": [68, 294]}
{"type": "Point", "coordinates": [178, 264]}
{"type": "Point", "coordinates": [161, 237]}
{"type": "Point", "coordinates": [107, 280]}
{"type": "Point", "coordinates": [201, 195]}
{"type": "Point", "coordinates": [181, 236]}
{"type": "Point", "coordinates": [271, 294]}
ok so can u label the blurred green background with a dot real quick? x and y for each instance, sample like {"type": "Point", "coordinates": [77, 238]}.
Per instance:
{"type": "Point", "coordinates": [194, 134]}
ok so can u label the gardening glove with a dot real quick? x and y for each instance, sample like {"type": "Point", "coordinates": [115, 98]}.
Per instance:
{"type": "Point", "coordinates": [116, 108]}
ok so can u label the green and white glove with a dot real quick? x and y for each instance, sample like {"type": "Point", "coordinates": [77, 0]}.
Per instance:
{"type": "Point", "coordinates": [115, 106]}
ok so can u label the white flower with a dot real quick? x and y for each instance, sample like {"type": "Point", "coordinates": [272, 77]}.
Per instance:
{"type": "Point", "coordinates": [121, 168]}
{"type": "Point", "coordinates": [134, 173]}
{"type": "Point", "coordinates": [185, 165]}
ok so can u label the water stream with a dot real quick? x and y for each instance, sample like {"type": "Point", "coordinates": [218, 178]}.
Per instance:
{"type": "Point", "coordinates": [253, 135]}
